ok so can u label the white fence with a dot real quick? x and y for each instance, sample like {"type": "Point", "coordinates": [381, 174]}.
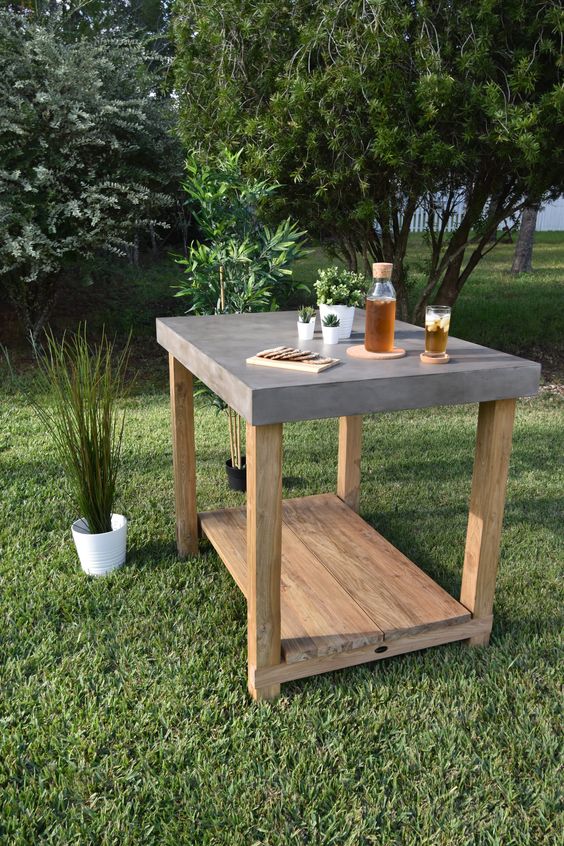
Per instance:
{"type": "Point", "coordinates": [419, 222]}
{"type": "Point", "coordinates": [550, 218]}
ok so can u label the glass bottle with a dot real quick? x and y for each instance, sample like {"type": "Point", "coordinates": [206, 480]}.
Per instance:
{"type": "Point", "coordinates": [380, 310]}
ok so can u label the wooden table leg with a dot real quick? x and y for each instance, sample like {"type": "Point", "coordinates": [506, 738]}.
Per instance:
{"type": "Point", "coordinates": [184, 457]}
{"type": "Point", "coordinates": [348, 472]}
{"type": "Point", "coordinates": [493, 448]}
{"type": "Point", "coordinates": [264, 550]}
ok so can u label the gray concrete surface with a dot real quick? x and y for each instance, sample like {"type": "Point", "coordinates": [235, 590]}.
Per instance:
{"type": "Point", "coordinates": [214, 349]}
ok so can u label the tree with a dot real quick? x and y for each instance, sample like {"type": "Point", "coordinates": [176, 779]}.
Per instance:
{"type": "Point", "coordinates": [365, 110]}
{"type": "Point", "coordinates": [98, 17]}
{"type": "Point", "coordinates": [523, 256]}
{"type": "Point", "coordinates": [86, 150]}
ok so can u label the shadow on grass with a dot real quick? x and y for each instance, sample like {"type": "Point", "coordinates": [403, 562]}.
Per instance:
{"type": "Point", "coordinates": [153, 555]}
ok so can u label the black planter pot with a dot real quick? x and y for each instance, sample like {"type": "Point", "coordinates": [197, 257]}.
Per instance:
{"type": "Point", "coordinates": [237, 477]}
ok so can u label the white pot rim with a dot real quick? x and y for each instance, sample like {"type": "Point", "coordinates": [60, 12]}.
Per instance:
{"type": "Point", "coordinates": [80, 526]}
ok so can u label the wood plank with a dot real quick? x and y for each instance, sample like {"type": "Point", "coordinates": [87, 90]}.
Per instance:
{"type": "Point", "coordinates": [348, 469]}
{"type": "Point", "coordinates": [264, 550]}
{"type": "Point", "coordinates": [487, 500]}
{"type": "Point", "coordinates": [318, 616]}
{"type": "Point", "coordinates": [470, 629]}
{"type": "Point", "coordinates": [397, 595]}
{"type": "Point", "coordinates": [184, 457]}
{"type": "Point", "coordinates": [226, 530]}
{"type": "Point", "coordinates": [301, 366]}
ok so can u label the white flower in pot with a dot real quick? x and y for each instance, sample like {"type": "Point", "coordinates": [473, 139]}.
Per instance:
{"type": "Point", "coordinates": [83, 388]}
{"type": "Point", "coordinates": [306, 323]}
{"type": "Point", "coordinates": [330, 328]}
{"type": "Point", "coordinates": [339, 291]}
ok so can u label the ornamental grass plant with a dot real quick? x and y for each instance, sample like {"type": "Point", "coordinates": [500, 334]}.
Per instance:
{"type": "Point", "coordinates": [81, 387]}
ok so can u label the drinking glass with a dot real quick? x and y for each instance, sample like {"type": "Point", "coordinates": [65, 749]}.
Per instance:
{"type": "Point", "coordinates": [437, 324]}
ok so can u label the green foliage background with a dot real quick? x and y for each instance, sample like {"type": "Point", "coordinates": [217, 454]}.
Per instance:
{"type": "Point", "coordinates": [365, 109]}
{"type": "Point", "coordinates": [87, 156]}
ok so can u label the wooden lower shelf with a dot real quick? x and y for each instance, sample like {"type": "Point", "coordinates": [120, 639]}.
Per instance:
{"type": "Point", "coordinates": [344, 587]}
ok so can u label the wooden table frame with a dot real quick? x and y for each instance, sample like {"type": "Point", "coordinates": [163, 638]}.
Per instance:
{"type": "Point", "coordinates": [266, 667]}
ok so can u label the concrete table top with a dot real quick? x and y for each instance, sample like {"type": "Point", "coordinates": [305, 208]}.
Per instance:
{"type": "Point", "coordinates": [214, 348]}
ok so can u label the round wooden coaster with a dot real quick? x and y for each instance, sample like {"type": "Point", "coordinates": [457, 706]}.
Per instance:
{"type": "Point", "coordinates": [358, 351]}
{"type": "Point", "coordinates": [436, 358]}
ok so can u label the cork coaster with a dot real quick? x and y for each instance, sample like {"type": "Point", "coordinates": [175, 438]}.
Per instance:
{"type": "Point", "coordinates": [434, 358]}
{"type": "Point", "coordinates": [358, 351]}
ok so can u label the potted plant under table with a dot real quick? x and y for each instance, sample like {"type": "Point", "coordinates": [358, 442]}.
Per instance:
{"type": "Point", "coordinates": [82, 387]}
{"type": "Point", "coordinates": [339, 291]}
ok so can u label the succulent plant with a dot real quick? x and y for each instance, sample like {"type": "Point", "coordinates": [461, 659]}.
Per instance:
{"type": "Point", "coordinates": [305, 314]}
{"type": "Point", "coordinates": [331, 320]}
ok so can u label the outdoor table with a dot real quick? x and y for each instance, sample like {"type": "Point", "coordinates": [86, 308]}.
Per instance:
{"type": "Point", "coordinates": [324, 589]}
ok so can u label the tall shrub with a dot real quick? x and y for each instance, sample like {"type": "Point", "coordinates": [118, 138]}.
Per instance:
{"type": "Point", "coordinates": [84, 156]}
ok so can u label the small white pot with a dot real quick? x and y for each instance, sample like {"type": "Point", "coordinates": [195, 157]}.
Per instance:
{"type": "Point", "coordinates": [331, 334]}
{"type": "Point", "coordinates": [101, 553]}
{"type": "Point", "coordinates": [345, 315]}
{"type": "Point", "coordinates": [306, 330]}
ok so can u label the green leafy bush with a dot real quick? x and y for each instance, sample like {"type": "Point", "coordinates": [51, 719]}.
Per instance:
{"type": "Point", "coordinates": [86, 154]}
{"type": "Point", "coordinates": [337, 286]}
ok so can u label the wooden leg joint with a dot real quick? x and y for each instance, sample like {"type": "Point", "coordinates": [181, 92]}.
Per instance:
{"type": "Point", "coordinates": [469, 631]}
{"type": "Point", "coordinates": [487, 501]}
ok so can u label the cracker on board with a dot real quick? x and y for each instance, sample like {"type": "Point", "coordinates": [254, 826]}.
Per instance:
{"type": "Point", "coordinates": [275, 354]}
{"type": "Point", "coordinates": [264, 353]}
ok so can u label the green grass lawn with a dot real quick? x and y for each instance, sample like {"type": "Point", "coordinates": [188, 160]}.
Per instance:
{"type": "Point", "coordinates": [124, 715]}
{"type": "Point", "coordinates": [124, 712]}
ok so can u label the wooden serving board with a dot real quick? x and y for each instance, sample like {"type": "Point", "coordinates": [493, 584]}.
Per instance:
{"type": "Point", "coordinates": [302, 366]}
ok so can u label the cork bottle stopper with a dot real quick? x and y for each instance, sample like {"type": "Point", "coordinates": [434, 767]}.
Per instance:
{"type": "Point", "coordinates": [382, 269]}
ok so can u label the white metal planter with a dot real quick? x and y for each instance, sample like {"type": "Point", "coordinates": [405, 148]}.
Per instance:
{"type": "Point", "coordinates": [345, 315]}
{"type": "Point", "coordinates": [99, 554]}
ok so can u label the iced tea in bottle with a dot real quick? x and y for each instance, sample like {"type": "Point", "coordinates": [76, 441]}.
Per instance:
{"type": "Point", "coordinates": [380, 310]}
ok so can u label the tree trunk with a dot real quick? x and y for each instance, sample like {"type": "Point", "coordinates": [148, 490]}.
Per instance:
{"type": "Point", "coordinates": [523, 256]}
{"type": "Point", "coordinates": [33, 303]}
{"type": "Point", "coordinates": [154, 243]}
{"type": "Point", "coordinates": [136, 250]}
